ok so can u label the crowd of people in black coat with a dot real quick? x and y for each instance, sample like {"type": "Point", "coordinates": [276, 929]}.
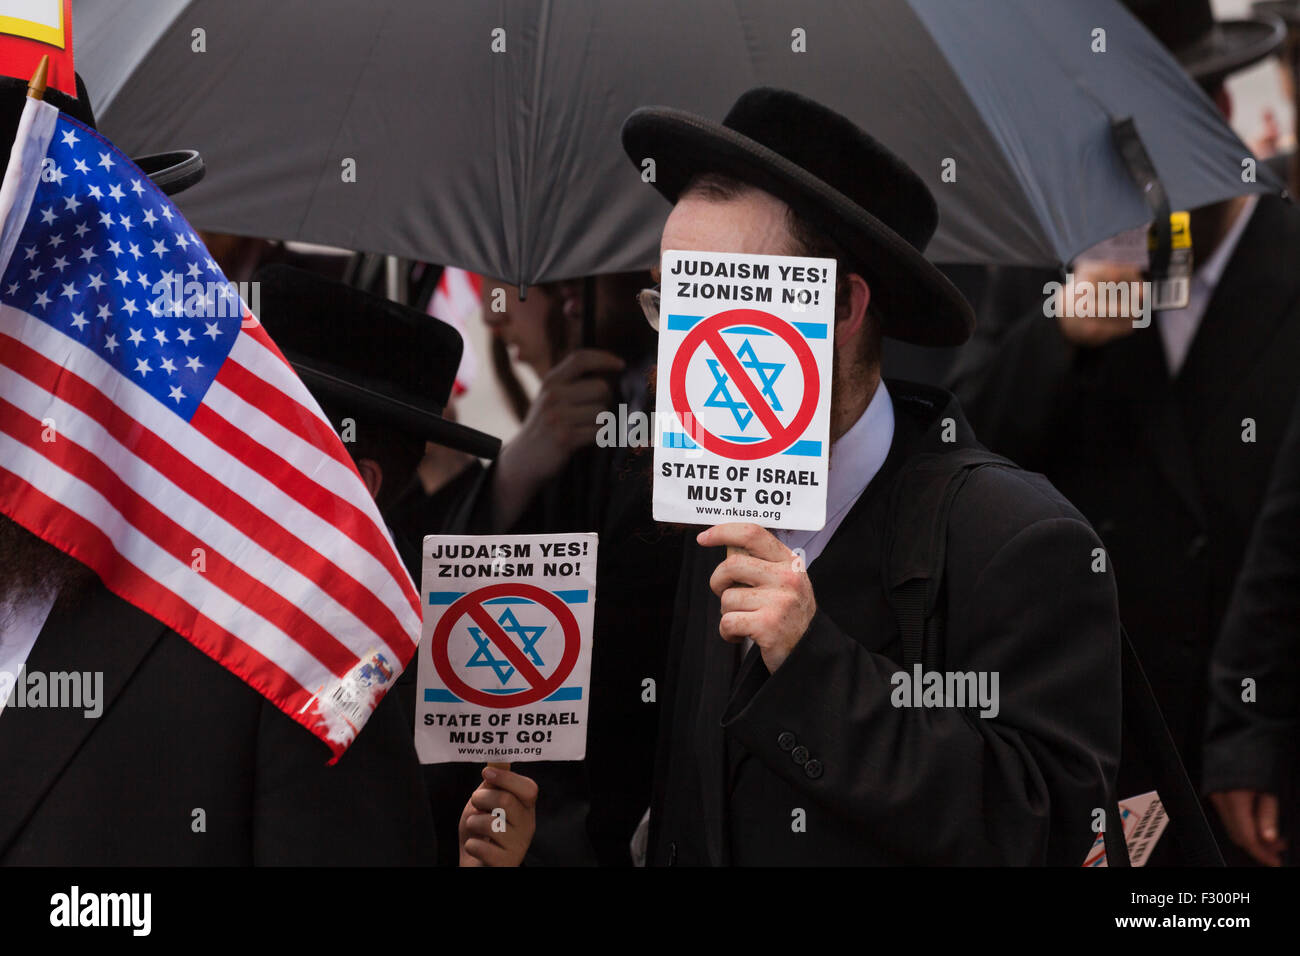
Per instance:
{"type": "Point", "coordinates": [743, 705]}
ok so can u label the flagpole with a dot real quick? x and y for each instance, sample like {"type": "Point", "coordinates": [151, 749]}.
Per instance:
{"type": "Point", "coordinates": [16, 179]}
{"type": "Point", "coordinates": [36, 88]}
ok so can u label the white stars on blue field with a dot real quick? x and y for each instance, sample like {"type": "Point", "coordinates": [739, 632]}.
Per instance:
{"type": "Point", "coordinates": [104, 258]}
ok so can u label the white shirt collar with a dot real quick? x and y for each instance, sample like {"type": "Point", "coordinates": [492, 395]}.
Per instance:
{"type": "Point", "coordinates": [1212, 269]}
{"type": "Point", "coordinates": [1178, 327]}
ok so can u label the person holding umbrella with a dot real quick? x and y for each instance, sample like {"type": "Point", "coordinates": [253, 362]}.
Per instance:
{"type": "Point", "coordinates": [796, 753]}
{"type": "Point", "coordinates": [177, 757]}
{"type": "Point", "coordinates": [1164, 436]}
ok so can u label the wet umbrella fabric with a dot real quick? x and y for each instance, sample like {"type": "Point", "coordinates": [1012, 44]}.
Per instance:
{"type": "Point", "coordinates": [487, 135]}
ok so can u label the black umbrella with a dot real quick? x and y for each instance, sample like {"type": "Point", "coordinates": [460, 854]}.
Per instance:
{"type": "Point", "coordinates": [486, 134]}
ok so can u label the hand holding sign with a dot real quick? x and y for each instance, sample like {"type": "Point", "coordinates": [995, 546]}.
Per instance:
{"type": "Point", "coordinates": [764, 597]}
{"type": "Point", "coordinates": [498, 822]}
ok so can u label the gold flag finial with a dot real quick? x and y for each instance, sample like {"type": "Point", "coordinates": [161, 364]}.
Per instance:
{"type": "Point", "coordinates": [36, 88]}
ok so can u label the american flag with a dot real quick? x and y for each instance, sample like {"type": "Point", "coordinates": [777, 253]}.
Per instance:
{"type": "Point", "coordinates": [150, 428]}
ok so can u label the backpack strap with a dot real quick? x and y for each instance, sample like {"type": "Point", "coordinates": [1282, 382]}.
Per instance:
{"type": "Point", "coordinates": [1148, 731]}
{"type": "Point", "coordinates": [915, 558]}
{"type": "Point", "coordinates": [916, 545]}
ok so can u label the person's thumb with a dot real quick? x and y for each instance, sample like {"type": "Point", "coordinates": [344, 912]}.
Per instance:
{"type": "Point", "coordinates": [1266, 813]}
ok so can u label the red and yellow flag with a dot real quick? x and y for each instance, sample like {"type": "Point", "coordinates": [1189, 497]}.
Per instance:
{"type": "Point", "coordinates": [31, 29]}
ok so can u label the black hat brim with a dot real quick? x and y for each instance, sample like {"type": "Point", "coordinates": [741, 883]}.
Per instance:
{"type": "Point", "coordinates": [173, 172]}
{"type": "Point", "coordinates": [394, 411]}
{"type": "Point", "coordinates": [1287, 10]}
{"type": "Point", "coordinates": [1233, 45]}
{"type": "Point", "coordinates": [918, 304]}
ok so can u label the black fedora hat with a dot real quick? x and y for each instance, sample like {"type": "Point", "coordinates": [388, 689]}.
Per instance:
{"type": "Point", "coordinates": [1207, 48]}
{"type": "Point", "coordinates": [844, 182]}
{"type": "Point", "coordinates": [362, 351]}
{"type": "Point", "coordinates": [1286, 10]}
{"type": "Point", "coordinates": [172, 172]}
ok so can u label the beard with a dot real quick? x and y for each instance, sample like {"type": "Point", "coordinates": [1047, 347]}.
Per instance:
{"type": "Point", "coordinates": [31, 569]}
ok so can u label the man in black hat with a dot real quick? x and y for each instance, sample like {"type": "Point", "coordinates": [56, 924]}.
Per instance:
{"type": "Point", "coordinates": [1285, 165]}
{"type": "Point", "coordinates": [382, 372]}
{"type": "Point", "coordinates": [170, 758]}
{"type": "Point", "coordinates": [802, 751]}
{"type": "Point", "coordinates": [1163, 436]}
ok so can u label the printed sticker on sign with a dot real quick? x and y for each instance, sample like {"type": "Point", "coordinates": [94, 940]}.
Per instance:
{"type": "Point", "coordinates": [505, 656]}
{"type": "Point", "coordinates": [1144, 819]}
{"type": "Point", "coordinates": [743, 413]}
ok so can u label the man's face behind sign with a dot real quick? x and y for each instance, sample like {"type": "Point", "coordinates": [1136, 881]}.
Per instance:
{"type": "Point", "coordinates": [753, 222]}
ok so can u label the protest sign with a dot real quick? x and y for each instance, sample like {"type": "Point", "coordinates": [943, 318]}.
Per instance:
{"type": "Point", "coordinates": [1144, 819]}
{"type": "Point", "coordinates": [743, 404]}
{"type": "Point", "coordinates": [505, 656]}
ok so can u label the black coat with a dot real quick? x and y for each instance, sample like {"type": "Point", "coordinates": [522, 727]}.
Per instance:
{"type": "Point", "coordinates": [739, 756]}
{"type": "Point", "coordinates": [1158, 466]}
{"type": "Point", "coordinates": [180, 733]}
{"type": "Point", "coordinates": [1254, 744]}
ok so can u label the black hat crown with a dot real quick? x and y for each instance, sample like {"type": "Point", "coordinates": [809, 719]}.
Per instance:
{"type": "Point", "coordinates": [828, 145]}
{"type": "Point", "coordinates": [1178, 24]}
{"type": "Point", "coordinates": [1207, 48]}
{"type": "Point", "coordinates": [847, 185]}
{"type": "Point", "coordinates": [386, 359]}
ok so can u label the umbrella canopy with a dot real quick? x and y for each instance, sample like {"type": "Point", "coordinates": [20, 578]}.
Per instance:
{"type": "Point", "coordinates": [487, 134]}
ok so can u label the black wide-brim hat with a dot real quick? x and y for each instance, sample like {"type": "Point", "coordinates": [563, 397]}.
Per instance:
{"type": "Point", "coordinates": [1207, 48]}
{"type": "Point", "coordinates": [849, 186]}
{"type": "Point", "coordinates": [1288, 11]}
{"type": "Point", "coordinates": [360, 351]}
{"type": "Point", "coordinates": [172, 172]}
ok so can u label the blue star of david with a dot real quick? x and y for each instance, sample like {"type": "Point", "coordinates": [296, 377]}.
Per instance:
{"type": "Point", "coordinates": [767, 373]}
{"type": "Point", "coordinates": [483, 657]}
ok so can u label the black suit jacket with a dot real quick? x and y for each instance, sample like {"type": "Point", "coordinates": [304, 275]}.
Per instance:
{"type": "Point", "coordinates": [743, 753]}
{"type": "Point", "coordinates": [180, 733]}
{"type": "Point", "coordinates": [1159, 467]}
{"type": "Point", "coordinates": [1253, 744]}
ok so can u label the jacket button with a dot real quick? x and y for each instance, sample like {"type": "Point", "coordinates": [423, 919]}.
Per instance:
{"type": "Point", "coordinates": [1197, 546]}
{"type": "Point", "coordinates": [800, 755]}
{"type": "Point", "coordinates": [813, 768]}
{"type": "Point", "coordinates": [786, 740]}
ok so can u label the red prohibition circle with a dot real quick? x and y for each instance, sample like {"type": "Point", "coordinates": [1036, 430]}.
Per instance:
{"type": "Point", "coordinates": [779, 438]}
{"type": "Point", "coordinates": [465, 604]}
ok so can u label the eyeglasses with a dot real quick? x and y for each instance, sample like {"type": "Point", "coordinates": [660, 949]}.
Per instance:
{"type": "Point", "coordinates": [648, 299]}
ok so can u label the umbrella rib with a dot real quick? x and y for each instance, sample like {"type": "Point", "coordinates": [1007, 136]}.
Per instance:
{"type": "Point", "coordinates": [332, 153]}
{"type": "Point", "coordinates": [528, 153]}
{"type": "Point", "coordinates": [1043, 221]}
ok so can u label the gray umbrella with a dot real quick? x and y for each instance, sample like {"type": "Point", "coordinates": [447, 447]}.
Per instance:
{"type": "Point", "coordinates": [507, 161]}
